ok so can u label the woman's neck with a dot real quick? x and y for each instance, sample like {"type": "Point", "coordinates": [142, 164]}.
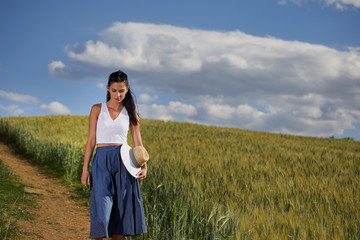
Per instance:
{"type": "Point", "coordinates": [114, 104]}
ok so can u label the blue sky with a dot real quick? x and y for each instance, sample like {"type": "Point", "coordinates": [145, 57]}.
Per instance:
{"type": "Point", "coordinates": [283, 66]}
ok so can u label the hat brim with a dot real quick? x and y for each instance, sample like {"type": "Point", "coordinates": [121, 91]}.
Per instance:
{"type": "Point", "coordinates": [125, 153]}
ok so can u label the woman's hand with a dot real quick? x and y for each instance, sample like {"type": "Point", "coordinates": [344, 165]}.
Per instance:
{"type": "Point", "coordinates": [85, 178]}
{"type": "Point", "coordinates": [136, 136]}
{"type": "Point", "coordinates": [141, 175]}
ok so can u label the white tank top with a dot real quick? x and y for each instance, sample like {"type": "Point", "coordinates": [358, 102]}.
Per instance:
{"type": "Point", "coordinates": [112, 131]}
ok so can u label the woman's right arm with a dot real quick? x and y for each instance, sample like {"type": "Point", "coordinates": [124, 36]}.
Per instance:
{"type": "Point", "coordinates": [90, 144]}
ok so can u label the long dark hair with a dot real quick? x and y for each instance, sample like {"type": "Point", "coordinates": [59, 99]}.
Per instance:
{"type": "Point", "coordinates": [128, 101]}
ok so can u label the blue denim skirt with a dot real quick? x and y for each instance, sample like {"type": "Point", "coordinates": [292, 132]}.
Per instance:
{"type": "Point", "coordinates": [116, 205]}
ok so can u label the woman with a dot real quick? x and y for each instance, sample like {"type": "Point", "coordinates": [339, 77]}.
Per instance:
{"type": "Point", "coordinates": [116, 206]}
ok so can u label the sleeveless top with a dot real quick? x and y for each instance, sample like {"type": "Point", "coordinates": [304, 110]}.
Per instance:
{"type": "Point", "coordinates": [112, 131]}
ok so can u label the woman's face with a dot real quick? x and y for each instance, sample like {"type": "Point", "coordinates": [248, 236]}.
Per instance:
{"type": "Point", "coordinates": [117, 91]}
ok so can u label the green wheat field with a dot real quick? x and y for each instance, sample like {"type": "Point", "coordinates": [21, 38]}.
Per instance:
{"type": "Point", "coordinates": [219, 183]}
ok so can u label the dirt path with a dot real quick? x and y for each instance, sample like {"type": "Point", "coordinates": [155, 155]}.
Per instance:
{"type": "Point", "coordinates": [56, 216]}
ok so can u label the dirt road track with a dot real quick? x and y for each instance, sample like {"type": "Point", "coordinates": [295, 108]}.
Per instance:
{"type": "Point", "coordinates": [56, 216]}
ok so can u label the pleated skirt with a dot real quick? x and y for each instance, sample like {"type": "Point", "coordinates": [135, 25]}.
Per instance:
{"type": "Point", "coordinates": [116, 205]}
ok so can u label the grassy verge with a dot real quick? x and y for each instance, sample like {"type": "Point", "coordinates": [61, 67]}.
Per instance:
{"type": "Point", "coordinates": [13, 203]}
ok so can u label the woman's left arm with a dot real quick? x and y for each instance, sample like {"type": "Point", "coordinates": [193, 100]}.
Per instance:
{"type": "Point", "coordinates": [136, 136]}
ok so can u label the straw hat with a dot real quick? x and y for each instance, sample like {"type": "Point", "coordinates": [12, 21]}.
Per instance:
{"type": "Point", "coordinates": [133, 158]}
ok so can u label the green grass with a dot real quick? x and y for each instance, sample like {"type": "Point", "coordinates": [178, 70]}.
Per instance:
{"type": "Point", "coordinates": [13, 203]}
{"type": "Point", "coordinates": [219, 183]}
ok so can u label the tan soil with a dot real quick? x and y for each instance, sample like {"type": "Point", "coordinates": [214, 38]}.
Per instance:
{"type": "Point", "coordinates": [56, 216]}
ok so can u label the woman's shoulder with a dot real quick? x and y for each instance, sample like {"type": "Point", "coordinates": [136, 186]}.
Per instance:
{"type": "Point", "coordinates": [96, 108]}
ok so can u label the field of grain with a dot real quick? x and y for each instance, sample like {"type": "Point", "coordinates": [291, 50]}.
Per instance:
{"type": "Point", "coordinates": [219, 183]}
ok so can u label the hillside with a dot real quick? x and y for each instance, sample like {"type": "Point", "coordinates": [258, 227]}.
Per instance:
{"type": "Point", "coordinates": [218, 183]}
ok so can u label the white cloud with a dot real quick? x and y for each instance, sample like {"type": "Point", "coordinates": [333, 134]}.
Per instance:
{"type": "Point", "coordinates": [55, 108]}
{"type": "Point", "coordinates": [297, 2]}
{"type": "Point", "coordinates": [228, 78]}
{"type": "Point", "coordinates": [145, 98]}
{"type": "Point", "coordinates": [16, 97]}
{"type": "Point", "coordinates": [213, 110]}
{"type": "Point", "coordinates": [56, 65]}
{"type": "Point", "coordinates": [340, 4]}
{"type": "Point", "coordinates": [136, 47]}
{"type": "Point", "coordinates": [101, 86]}
{"type": "Point", "coordinates": [59, 70]}
{"type": "Point", "coordinates": [141, 47]}
{"type": "Point", "coordinates": [14, 110]}
{"type": "Point", "coordinates": [173, 111]}
{"type": "Point", "coordinates": [343, 4]}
